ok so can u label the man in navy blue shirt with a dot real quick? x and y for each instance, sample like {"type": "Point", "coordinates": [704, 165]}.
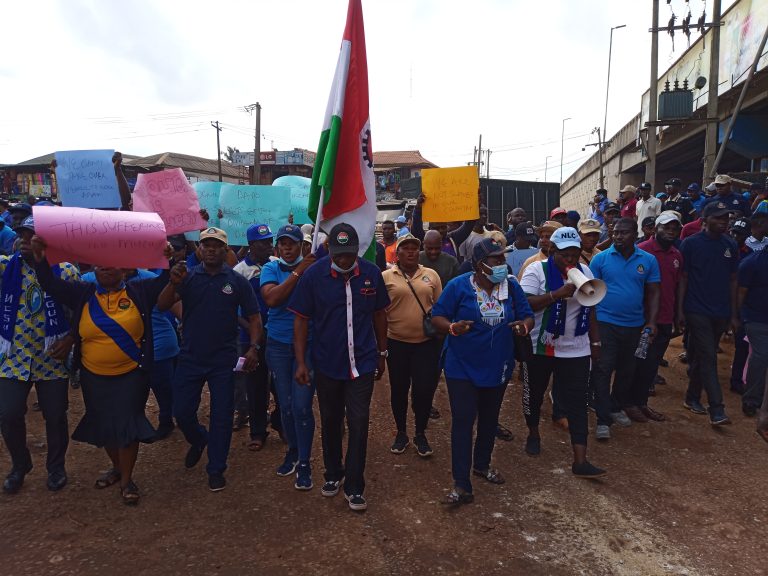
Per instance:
{"type": "Point", "coordinates": [708, 306]}
{"type": "Point", "coordinates": [734, 202]}
{"type": "Point", "coordinates": [346, 299]}
{"type": "Point", "coordinates": [212, 295]}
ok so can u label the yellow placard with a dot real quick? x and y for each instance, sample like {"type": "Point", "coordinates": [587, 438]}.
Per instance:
{"type": "Point", "coordinates": [450, 194]}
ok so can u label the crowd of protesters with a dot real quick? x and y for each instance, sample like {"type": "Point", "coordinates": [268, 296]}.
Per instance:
{"type": "Point", "coordinates": [465, 300]}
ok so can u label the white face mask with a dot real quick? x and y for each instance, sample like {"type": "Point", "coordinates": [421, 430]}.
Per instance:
{"type": "Point", "coordinates": [341, 270]}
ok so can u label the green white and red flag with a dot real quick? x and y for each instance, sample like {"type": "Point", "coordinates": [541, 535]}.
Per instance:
{"type": "Point", "coordinates": [343, 185]}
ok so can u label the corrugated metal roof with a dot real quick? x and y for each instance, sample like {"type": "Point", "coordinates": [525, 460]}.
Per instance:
{"type": "Point", "coordinates": [406, 158]}
{"type": "Point", "coordinates": [187, 163]}
{"type": "Point", "coordinates": [48, 158]}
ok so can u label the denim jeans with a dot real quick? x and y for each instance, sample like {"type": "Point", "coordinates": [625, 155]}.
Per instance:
{"type": "Point", "coordinates": [757, 370]}
{"type": "Point", "coordinates": [617, 354]}
{"type": "Point", "coordinates": [704, 336]}
{"type": "Point", "coordinates": [295, 399]}
{"type": "Point", "coordinates": [161, 383]}
{"type": "Point", "coordinates": [191, 374]}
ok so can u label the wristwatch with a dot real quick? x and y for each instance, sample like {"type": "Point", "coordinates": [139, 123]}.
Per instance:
{"type": "Point", "coordinates": [384, 353]}
{"type": "Point", "coordinates": [256, 345]}
{"type": "Point", "coordinates": [597, 344]}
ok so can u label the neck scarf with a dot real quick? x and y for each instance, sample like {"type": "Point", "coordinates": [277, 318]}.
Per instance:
{"type": "Point", "coordinates": [56, 325]}
{"type": "Point", "coordinates": [111, 328]}
{"type": "Point", "coordinates": [554, 315]}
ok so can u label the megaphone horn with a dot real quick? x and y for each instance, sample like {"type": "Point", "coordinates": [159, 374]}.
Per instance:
{"type": "Point", "coordinates": [589, 292]}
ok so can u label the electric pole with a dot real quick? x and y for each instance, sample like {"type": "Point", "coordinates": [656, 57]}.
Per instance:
{"type": "Point", "coordinates": [650, 164]}
{"type": "Point", "coordinates": [479, 155]}
{"type": "Point", "coordinates": [488, 164]}
{"type": "Point", "coordinates": [256, 174]}
{"type": "Point", "coordinates": [713, 103]}
{"type": "Point", "coordinates": [218, 145]}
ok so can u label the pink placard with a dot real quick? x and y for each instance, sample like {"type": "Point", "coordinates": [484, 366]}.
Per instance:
{"type": "Point", "coordinates": [103, 237]}
{"type": "Point", "coordinates": [170, 195]}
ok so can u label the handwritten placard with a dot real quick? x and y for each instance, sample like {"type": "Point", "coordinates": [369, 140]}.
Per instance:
{"type": "Point", "coordinates": [169, 194]}
{"type": "Point", "coordinates": [243, 205]}
{"type": "Point", "coordinates": [86, 178]}
{"type": "Point", "coordinates": [208, 197]}
{"type": "Point", "coordinates": [102, 237]}
{"type": "Point", "coordinates": [299, 186]}
{"type": "Point", "coordinates": [451, 194]}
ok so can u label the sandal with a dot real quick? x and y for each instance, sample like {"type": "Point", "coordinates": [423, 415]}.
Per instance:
{"type": "Point", "coordinates": [256, 444]}
{"type": "Point", "coordinates": [130, 494]}
{"type": "Point", "coordinates": [456, 498]}
{"type": "Point", "coordinates": [107, 479]}
{"type": "Point", "coordinates": [493, 476]}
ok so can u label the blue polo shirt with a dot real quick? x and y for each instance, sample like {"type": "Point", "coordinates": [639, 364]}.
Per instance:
{"type": "Point", "coordinates": [625, 280]}
{"type": "Point", "coordinates": [709, 264]}
{"type": "Point", "coordinates": [7, 241]}
{"type": "Point", "coordinates": [753, 275]}
{"type": "Point", "coordinates": [485, 355]}
{"type": "Point", "coordinates": [321, 295]}
{"type": "Point", "coordinates": [732, 201]}
{"type": "Point", "coordinates": [280, 318]}
{"type": "Point", "coordinates": [210, 305]}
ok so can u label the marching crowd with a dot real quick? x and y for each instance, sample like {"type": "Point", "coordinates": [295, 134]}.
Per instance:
{"type": "Point", "coordinates": [467, 300]}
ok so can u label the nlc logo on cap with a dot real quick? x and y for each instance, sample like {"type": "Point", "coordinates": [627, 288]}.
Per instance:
{"type": "Point", "coordinates": [569, 235]}
{"type": "Point", "coordinates": [211, 231]}
{"type": "Point", "coordinates": [262, 230]}
{"type": "Point", "coordinates": [342, 238]}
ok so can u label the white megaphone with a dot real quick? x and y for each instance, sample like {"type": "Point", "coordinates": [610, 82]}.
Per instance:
{"type": "Point", "coordinates": [588, 292]}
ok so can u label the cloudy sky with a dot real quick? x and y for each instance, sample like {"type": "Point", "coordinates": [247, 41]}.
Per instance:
{"type": "Point", "coordinates": [149, 76]}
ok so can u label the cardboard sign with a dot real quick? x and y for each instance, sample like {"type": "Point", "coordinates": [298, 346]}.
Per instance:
{"type": "Point", "coordinates": [451, 194]}
{"type": "Point", "coordinates": [208, 197]}
{"type": "Point", "coordinates": [86, 178]}
{"type": "Point", "coordinates": [169, 194]}
{"type": "Point", "coordinates": [299, 186]}
{"type": "Point", "coordinates": [243, 205]}
{"type": "Point", "coordinates": [103, 237]}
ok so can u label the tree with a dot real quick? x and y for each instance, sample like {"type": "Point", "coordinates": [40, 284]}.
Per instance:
{"type": "Point", "coordinates": [229, 154]}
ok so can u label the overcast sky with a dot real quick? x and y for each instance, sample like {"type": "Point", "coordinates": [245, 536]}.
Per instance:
{"type": "Point", "coordinates": [149, 76]}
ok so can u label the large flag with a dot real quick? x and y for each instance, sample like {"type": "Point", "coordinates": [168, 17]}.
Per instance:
{"type": "Point", "coordinates": [343, 186]}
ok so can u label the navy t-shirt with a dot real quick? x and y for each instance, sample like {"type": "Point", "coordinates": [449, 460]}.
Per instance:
{"type": "Point", "coordinates": [753, 275]}
{"type": "Point", "coordinates": [709, 263]}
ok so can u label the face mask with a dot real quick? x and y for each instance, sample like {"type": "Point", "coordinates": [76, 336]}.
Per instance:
{"type": "Point", "coordinates": [291, 264]}
{"type": "Point", "coordinates": [341, 270]}
{"type": "Point", "coordinates": [498, 273]}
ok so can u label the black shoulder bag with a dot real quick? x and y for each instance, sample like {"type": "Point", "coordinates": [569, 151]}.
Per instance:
{"type": "Point", "coordinates": [523, 344]}
{"type": "Point", "coordinates": [426, 322]}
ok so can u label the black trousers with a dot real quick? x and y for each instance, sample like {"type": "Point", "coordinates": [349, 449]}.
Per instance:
{"type": "Point", "coordinates": [335, 399]}
{"type": "Point", "coordinates": [52, 396]}
{"type": "Point", "coordinates": [617, 355]}
{"type": "Point", "coordinates": [252, 394]}
{"type": "Point", "coordinates": [570, 381]}
{"type": "Point", "coordinates": [414, 368]}
{"type": "Point", "coordinates": [646, 369]}
{"type": "Point", "coordinates": [704, 336]}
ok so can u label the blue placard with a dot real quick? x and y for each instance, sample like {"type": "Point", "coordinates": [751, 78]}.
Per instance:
{"type": "Point", "coordinates": [299, 186]}
{"type": "Point", "coordinates": [86, 179]}
{"type": "Point", "coordinates": [243, 205]}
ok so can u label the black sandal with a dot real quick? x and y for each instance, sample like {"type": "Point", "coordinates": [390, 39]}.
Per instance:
{"type": "Point", "coordinates": [456, 498]}
{"type": "Point", "coordinates": [130, 494]}
{"type": "Point", "coordinates": [107, 479]}
{"type": "Point", "coordinates": [493, 476]}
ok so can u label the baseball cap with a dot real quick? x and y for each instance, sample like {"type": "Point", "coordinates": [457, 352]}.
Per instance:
{"type": "Point", "coordinates": [715, 209]}
{"type": "Point", "coordinates": [401, 219]}
{"type": "Point", "coordinates": [673, 182]}
{"type": "Point", "coordinates": [557, 211]}
{"type": "Point", "coordinates": [550, 225]}
{"type": "Point", "coordinates": [215, 233]}
{"type": "Point", "coordinates": [258, 232]}
{"type": "Point", "coordinates": [407, 238]}
{"type": "Point", "coordinates": [21, 207]}
{"type": "Point", "coordinates": [742, 226]}
{"type": "Point", "coordinates": [342, 239]}
{"type": "Point", "coordinates": [611, 207]}
{"type": "Point", "coordinates": [485, 248]}
{"type": "Point", "coordinates": [573, 215]}
{"type": "Point", "coordinates": [722, 179]}
{"type": "Point", "coordinates": [177, 241]}
{"type": "Point", "coordinates": [524, 229]}
{"type": "Point", "coordinates": [628, 188]}
{"type": "Point", "coordinates": [601, 192]}
{"type": "Point", "coordinates": [648, 221]}
{"type": "Point", "coordinates": [761, 211]}
{"type": "Point", "coordinates": [662, 195]}
{"type": "Point", "coordinates": [694, 186]}
{"type": "Point", "coordinates": [667, 216]}
{"type": "Point", "coordinates": [308, 238]}
{"type": "Point", "coordinates": [566, 237]}
{"type": "Point", "coordinates": [290, 231]}
{"type": "Point", "coordinates": [28, 223]}
{"type": "Point", "coordinates": [590, 225]}
{"type": "Point", "coordinates": [645, 186]}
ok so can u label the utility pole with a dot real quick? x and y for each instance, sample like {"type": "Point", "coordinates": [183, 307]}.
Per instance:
{"type": "Point", "coordinates": [650, 163]}
{"type": "Point", "coordinates": [713, 103]}
{"type": "Point", "coordinates": [479, 155]}
{"type": "Point", "coordinates": [546, 160]}
{"type": "Point", "coordinates": [218, 145]}
{"type": "Point", "coordinates": [488, 164]}
{"type": "Point", "coordinates": [256, 174]}
{"type": "Point", "coordinates": [562, 149]}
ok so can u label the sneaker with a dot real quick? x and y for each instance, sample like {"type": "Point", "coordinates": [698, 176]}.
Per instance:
{"type": "Point", "coordinates": [587, 470]}
{"type": "Point", "coordinates": [694, 406]}
{"type": "Point", "coordinates": [330, 488]}
{"type": "Point", "coordinates": [423, 448]}
{"type": "Point", "coordinates": [357, 502]}
{"type": "Point", "coordinates": [303, 477]}
{"type": "Point", "coordinates": [400, 444]}
{"type": "Point", "coordinates": [719, 418]}
{"type": "Point", "coordinates": [288, 466]}
{"type": "Point", "coordinates": [621, 419]}
{"type": "Point", "coordinates": [194, 454]}
{"type": "Point", "coordinates": [533, 446]}
{"type": "Point", "coordinates": [603, 432]}
{"type": "Point", "coordinates": [216, 482]}
{"type": "Point", "coordinates": [683, 358]}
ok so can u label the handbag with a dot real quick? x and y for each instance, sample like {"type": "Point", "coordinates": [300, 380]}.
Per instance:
{"type": "Point", "coordinates": [426, 322]}
{"type": "Point", "coordinates": [523, 344]}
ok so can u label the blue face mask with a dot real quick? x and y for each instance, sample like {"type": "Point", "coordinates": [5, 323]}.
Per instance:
{"type": "Point", "coordinates": [341, 270]}
{"type": "Point", "coordinates": [498, 273]}
{"type": "Point", "coordinates": [291, 264]}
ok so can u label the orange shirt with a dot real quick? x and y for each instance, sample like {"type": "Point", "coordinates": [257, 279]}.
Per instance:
{"type": "Point", "coordinates": [404, 315]}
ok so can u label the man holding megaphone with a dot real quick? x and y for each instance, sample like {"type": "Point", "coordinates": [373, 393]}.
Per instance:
{"type": "Point", "coordinates": [566, 339]}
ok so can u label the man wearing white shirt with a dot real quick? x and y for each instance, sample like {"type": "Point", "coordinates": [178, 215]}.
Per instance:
{"type": "Point", "coordinates": [646, 206]}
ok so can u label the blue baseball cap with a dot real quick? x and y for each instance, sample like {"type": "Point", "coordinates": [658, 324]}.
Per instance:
{"type": "Point", "coordinates": [258, 232]}
{"type": "Point", "coordinates": [694, 186]}
{"type": "Point", "coordinates": [292, 232]}
{"type": "Point", "coordinates": [21, 207]}
{"type": "Point", "coordinates": [486, 247]}
{"type": "Point", "coordinates": [27, 224]}
{"type": "Point", "coordinates": [662, 195]}
{"type": "Point", "coordinates": [401, 219]}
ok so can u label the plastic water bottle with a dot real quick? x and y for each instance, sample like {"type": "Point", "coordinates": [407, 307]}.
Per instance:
{"type": "Point", "coordinates": [642, 346]}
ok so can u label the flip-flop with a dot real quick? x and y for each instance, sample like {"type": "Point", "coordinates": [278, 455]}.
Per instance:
{"type": "Point", "coordinates": [255, 444]}
{"type": "Point", "coordinates": [130, 494]}
{"type": "Point", "coordinates": [107, 479]}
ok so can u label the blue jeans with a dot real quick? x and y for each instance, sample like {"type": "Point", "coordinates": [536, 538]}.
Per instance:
{"type": "Point", "coordinates": [295, 399]}
{"type": "Point", "coordinates": [161, 383]}
{"type": "Point", "coordinates": [187, 387]}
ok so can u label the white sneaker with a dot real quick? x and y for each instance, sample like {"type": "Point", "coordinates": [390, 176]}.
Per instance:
{"type": "Point", "coordinates": [621, 419]}
{"type": "Point", "coordinates": [603, 432]}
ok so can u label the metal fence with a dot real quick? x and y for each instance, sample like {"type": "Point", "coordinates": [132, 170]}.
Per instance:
{"type": "Point", "coordinates": [536, 198]}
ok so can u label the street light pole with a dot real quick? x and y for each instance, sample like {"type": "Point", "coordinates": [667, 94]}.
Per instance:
{"type": "Point", "coordinates": [608, 82]}
{"type": "Point", "coordinates": [545, 167]}
{"type": "Point", "coordinates": [562, 148]}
